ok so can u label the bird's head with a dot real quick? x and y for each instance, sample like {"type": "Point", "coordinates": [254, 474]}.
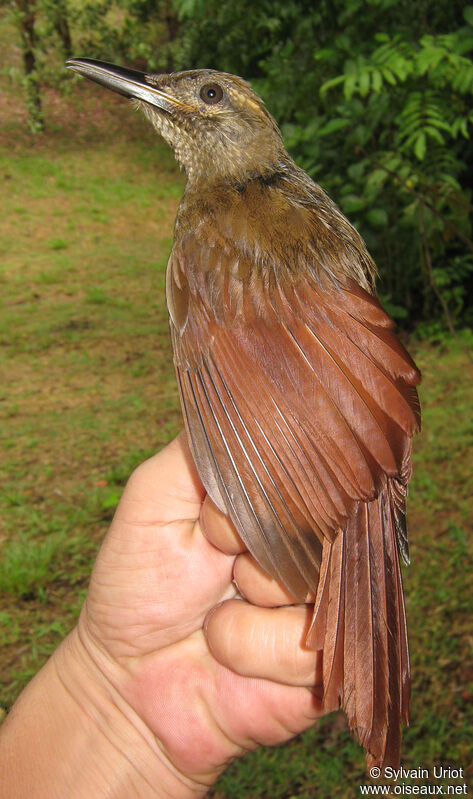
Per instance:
{"type": "Point", "coordinates": [216, 125]}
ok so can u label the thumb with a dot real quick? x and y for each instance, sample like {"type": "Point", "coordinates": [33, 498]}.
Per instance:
{"type": "Point", "coordinates": [164, 488]}
{"type": "Point", "coordinates": [263, 642]}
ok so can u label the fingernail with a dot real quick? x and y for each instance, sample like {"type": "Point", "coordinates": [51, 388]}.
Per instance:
{"type": "Point", "coordinates": [238, 595]}
{"type": "Point", "coordinates": [209, 616]}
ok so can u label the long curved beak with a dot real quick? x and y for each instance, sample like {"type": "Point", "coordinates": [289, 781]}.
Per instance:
{"type": "Point", "coordinates": [128, 82]}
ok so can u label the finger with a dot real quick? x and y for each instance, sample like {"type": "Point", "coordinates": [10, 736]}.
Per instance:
{"type": "Point", "coordinates": [164, 488]}
{"type": "Point", "coordinates": [258, 587]}
{"type": "Point", "coordinates": [263, 642]}
{"type": "Point", "coordinates": [219, 530]}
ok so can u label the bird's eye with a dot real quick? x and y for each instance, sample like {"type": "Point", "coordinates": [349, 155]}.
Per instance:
{"type": "Point", "coordinates": [211, 93]}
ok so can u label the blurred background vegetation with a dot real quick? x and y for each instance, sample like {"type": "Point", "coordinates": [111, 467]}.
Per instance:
{"type": "Point", "coordinates": [374, 98]}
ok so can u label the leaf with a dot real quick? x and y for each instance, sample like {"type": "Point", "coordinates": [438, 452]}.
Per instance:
{"type": "Point", "coordinates": [420, 146]}
{"type": "Point", "coordinates": [463, 80]}
{"type": "Point", "coordinates": [350, 67]}
{"type": "Point", "coordinates": [434, 134]}
{"type": "Point", "coordinates": [333, 126]}
{"type": "Point", "coordinates": [325, 54]}
{"type": "Point", "coordinates": [365, 79]}
{"type": "Point", "coordinates": [468, 14]}
{"type": "Point", "coordinates": [376, 80]}
{"type": "Point", "coordinates": [377, 217]}
{"type": "Point", "coordinates": [451, 182]}
{"type": "Point", "coordinates": [392, 163]}
{"type": "Point", "coordinates": [350, 85]}
{"type": "Point", "coordinates": [465, 45]}
{"type": "Point", "coordinates": [356, 170]}
{"type": "Point", "coordinates": [388, 76]}
{"type": "Point", "coordinates": [396, 311]}
{"type": "Point", "coordinates": [352, 203]}
{"type": "Point", "coordinates": [377, 178]}
{"type": "Point", "coordinates": [329, 84]}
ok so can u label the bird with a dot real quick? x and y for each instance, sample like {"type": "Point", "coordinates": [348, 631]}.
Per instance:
{"type": "Point", "coordinates": [299, 401]}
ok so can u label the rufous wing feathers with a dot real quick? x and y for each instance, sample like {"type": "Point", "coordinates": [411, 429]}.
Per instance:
{"type": "Point", "coordinates": [300, 418]}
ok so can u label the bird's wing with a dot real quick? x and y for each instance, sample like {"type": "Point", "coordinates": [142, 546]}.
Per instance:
{"type": "Point", "coordinates": [300, 404]}
{"type": "Point", "coordinates": [298, 399]}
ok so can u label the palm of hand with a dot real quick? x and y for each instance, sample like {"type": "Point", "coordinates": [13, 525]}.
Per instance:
{"type": "Point", "coordinates": [155, 580]}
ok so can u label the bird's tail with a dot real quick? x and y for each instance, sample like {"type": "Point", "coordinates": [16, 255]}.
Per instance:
{"type": "Point", "coordinates": [360, 625]}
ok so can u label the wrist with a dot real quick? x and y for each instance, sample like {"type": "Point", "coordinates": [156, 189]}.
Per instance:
{"type": "Point", "coordinates": [72, 734]}
{"type": "Point", "coordinates": [121, 748]}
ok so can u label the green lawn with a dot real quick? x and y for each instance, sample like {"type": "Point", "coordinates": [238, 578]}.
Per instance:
{"type": "Point", "coordinates": [88, 391]}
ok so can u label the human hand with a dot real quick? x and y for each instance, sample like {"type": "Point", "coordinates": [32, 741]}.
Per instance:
{"type": "Point", "coordinates": [155, 580]}
{"type": "Point", "coordinates": [176, 684]}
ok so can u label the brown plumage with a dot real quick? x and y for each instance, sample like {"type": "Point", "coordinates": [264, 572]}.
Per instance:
{"type": "Point", "coordinates": [299, 401]}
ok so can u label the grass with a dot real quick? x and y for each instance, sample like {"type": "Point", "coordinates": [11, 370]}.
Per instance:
{"type": "Point", "coordinates": [90, 392]}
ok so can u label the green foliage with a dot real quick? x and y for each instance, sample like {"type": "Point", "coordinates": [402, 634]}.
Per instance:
{"type": "Point", "coordinates": [379, 112]}
{"type": "Point", "coordinates": [374, 98]}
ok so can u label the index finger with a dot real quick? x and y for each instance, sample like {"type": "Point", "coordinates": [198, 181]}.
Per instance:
{"type": "Point", "coordinates": [165, 488]}
{"type": "Point", "coordinates": [219, 530]}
